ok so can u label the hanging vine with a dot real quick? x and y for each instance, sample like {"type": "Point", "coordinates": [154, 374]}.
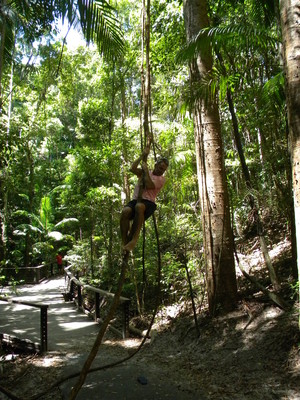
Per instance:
{"type": "Point", "coordinates": [147, 141]}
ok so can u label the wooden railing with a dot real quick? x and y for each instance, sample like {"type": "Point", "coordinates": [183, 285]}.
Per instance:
{"type": "Point", "coordinates": [43, 320]}
{"type": "Point", "coordinates": [28, 274]}
{"type": "Point", "coordinates": [32, 274]}
{"type": "Point", "coordinates": [75, 292]}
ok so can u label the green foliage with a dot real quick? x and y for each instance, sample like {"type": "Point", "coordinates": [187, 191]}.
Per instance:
{"type": "Point", "coordinates": [74, 129]}
{"type": "Point", "coordinates": [273, 92]}
{"type": "Point", "coordinates": [45, 212]}
{"type": "Point", "coordinates": [99, 24]}
{"type": "Point", "coordinates": [78, 258]}
{"type": "Point", "coordinates": [33, 19]}
{"type": "Point", "coordinates": [93, 123]}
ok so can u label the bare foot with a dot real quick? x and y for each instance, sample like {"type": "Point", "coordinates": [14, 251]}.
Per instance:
{"type": "Point", "coordinates": [130, 246]}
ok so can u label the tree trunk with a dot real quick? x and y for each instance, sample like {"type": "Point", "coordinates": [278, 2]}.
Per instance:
{"type": "Point", "coordinates": [218, 242]}
{"type": "Point", "coordinates": [2, 46]}
{"type": "Point", "coordinates": [111, 208]}
{"type": "Point", "coordinates": [3, 222]}
{"type": "Point", "coordinates": [290, 25]}
{"type": "Point", "coordinates": [92, 221]}
{"type": "Point", "coordinates": [28, 239]}
{"type": "Point", "coordinates": [146, 75]}
{"type": "Point", "coordinates": [126, 185]}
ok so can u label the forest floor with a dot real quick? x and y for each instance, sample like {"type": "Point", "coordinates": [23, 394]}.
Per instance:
{"type": "Point", "coordinates": [252, 353]}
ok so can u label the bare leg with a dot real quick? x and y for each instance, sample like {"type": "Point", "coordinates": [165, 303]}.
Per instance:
{"type": "Point", "coordinates": [136, 226]}
{"type": "Point", "coordinates": [125, 223]}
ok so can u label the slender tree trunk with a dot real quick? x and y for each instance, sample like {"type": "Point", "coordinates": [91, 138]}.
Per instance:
{"type": "Point", "coordinates": [111, 312]}
{"type": "Point", "coordinates": [133, 269]}
{"type": "Point", "coordinates": [28, 240]}
{"type": "Point", "coordinates": [111, 207]}
{"type": "Point", "coordinates": [126, 185]}
{"type": "Point", "coordinates": [218, 242]}
{"type": "Point", "coordinates": [290, 25]}
{"type": "Point", "coordinates": [3, 166]}
{"type": "Point", "coordinates": [92, 233]}
{"type": "Point", "coordinates": [238, 143]}
{"type": "Point", "coordinates": [3, 221]}
{"type": "Point", "coordinates": [2, 45]}
{"type": "Point", "coordinates": [146, 78]}
{"type": "Point", "coordinates": [10, 101]}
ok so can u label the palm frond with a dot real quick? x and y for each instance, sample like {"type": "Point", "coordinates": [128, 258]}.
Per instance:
{"type": "Point", "coordinates": [99, 24]}
{"type": "Point", "coordinates": [67, 10]}
{"type": "Point", "coordinates": [97, 19]}
{"type": "Point", "coordinates": [241, 36]}
{"type": "Point", "coordinates": [263, 11]}
{"type": "Point", "coordinates": [273, 90]}
{"type": "Point", "coordinates": [7, 30]}
{"type": "Point", "coordinates": [66, 222]}
{"type": "Point", "coordinates": [15, 8]}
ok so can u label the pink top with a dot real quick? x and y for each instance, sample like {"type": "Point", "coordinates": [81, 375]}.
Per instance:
{"type": "Point", "coordinates": [150, 194]}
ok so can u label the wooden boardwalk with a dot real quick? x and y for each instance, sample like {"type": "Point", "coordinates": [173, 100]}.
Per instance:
{"type": "Point", "coordinates": [67, 327]}
{"type": "Point", "coordinates": [71, 335]}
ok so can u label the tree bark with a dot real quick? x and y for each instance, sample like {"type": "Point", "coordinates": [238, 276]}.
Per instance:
{"type": "Point", "coordinates": [217, 234]}
{"type": "Point", "coordinates": [111, 208]}
{"type": "Point", "coordinates": [2, 46]}
{"type": "Point", "coordinates": [290, 25]}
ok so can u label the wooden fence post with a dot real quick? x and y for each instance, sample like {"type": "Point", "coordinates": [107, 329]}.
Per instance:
{"type": "Point", "coordinates": [125, 329]}
{"type": "Point", "coordinates": [97, 306]}
{"type": "Point", "coordinates": [79, 294]}
{"type": "Point", "coordinates": [44, 328]}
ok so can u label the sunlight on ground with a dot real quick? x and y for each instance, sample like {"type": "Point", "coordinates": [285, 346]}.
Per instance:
{"type": "Point", "coordinates": [257, 258]}
{"type": "Point", "coordinates": [169, 312]}
{"type": "Point", "coordinates": [19, 331]}
{"type": "Point", "coordinates": [130, 343]}
{"type": "Point", "coordinates": [56, 285]}
{"type": "Point", "coordinates": [71, 326]}
{"type": "Point", "coordinates": [48, 362]}
{"type": "Point", "coordinates": [60, 311]}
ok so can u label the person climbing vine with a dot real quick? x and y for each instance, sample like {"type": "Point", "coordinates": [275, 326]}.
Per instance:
{"type": "Point", "coordinates": [143, 205]}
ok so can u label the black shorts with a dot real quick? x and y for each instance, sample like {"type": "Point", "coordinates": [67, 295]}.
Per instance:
{"type": "Point", "coordinates": [150, 207]}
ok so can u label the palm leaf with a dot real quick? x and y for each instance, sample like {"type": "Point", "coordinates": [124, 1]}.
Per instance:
{"type": "Point", "coordinates": [96, 17]}
{"type": "Point", "coordinates": [23, 229]}
{"type": "Point", "coordinates": [45, 211]}
{"type": "Point", "coordinates": [273, 91]}
{"type": "Point", "coordinates": [66, 221]}
{"type": "Point", "coordinates": [7, 34]}
{"type": "Point", "coordinates": [99, 24]}
{"type": "Point", "coordinates": [240, 35]}
{"type": "Point", "coordinates": [264, 11]}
